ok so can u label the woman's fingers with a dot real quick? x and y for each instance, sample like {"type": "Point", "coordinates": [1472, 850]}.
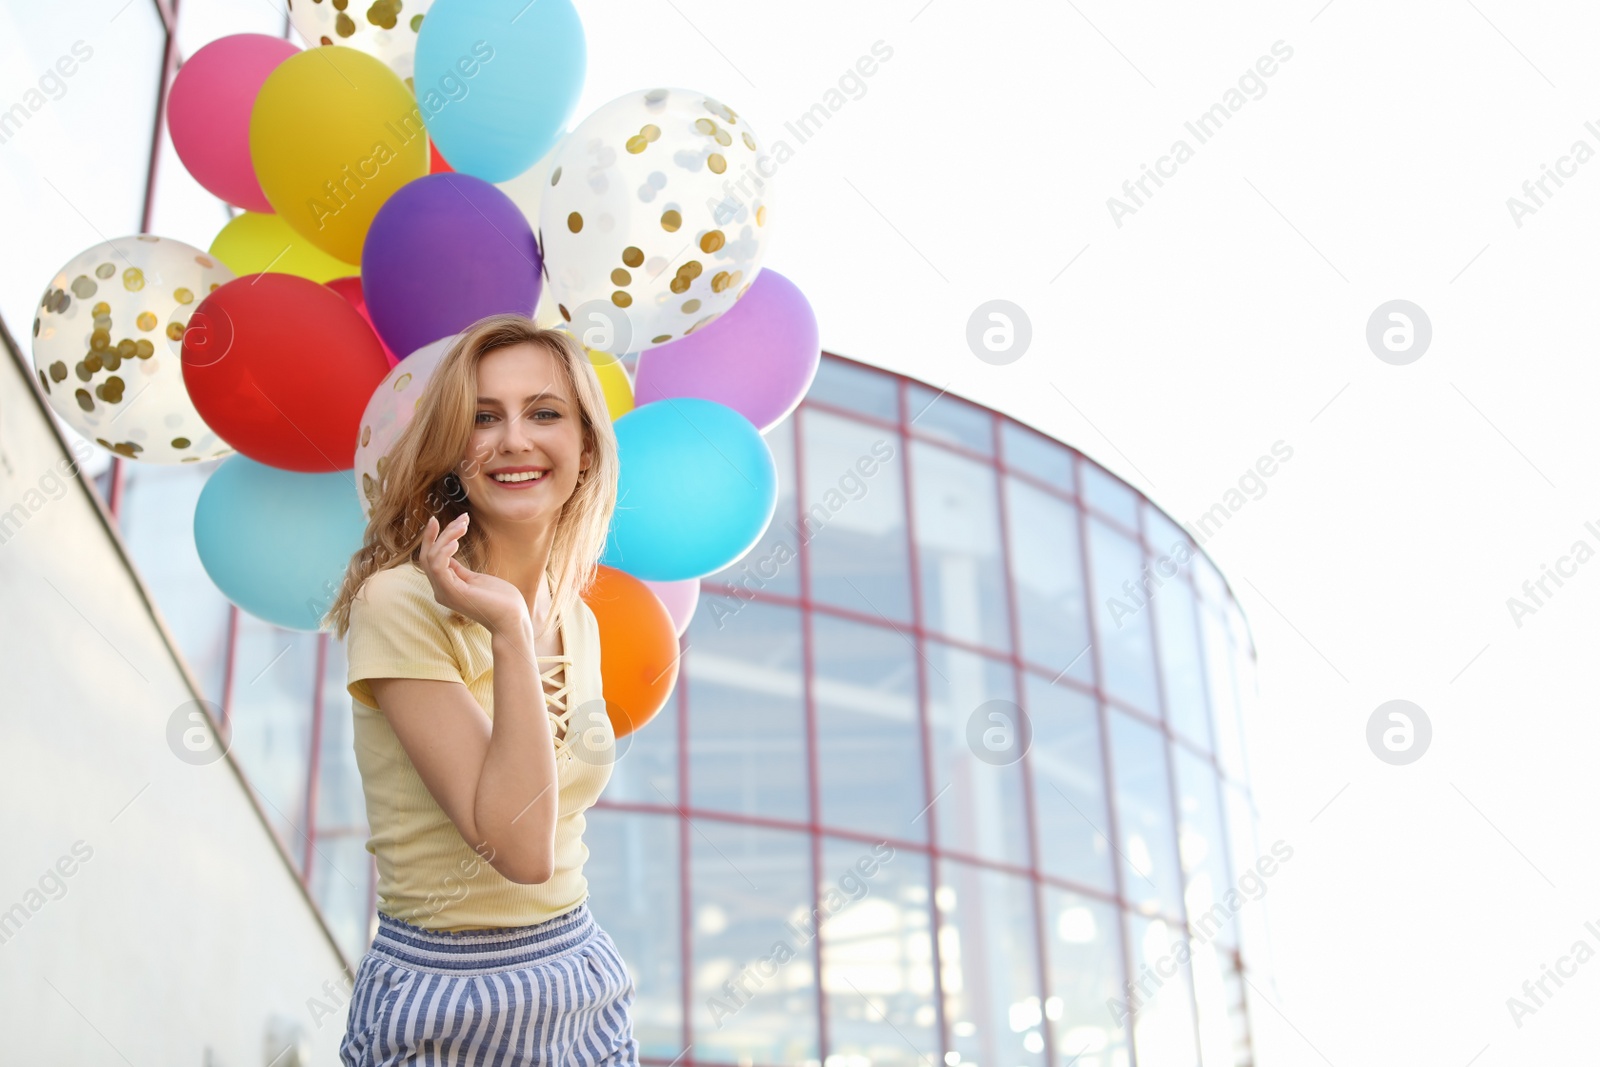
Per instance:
{"type": "Point", "coordinates": [439, 549]}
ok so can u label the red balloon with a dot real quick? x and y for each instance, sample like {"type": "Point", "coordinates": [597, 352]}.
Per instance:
{"type": "Point", "coordinates": [350, 289]}
{"type": "Point", "coordinates": [282, 367]}
{"type": "Point", "coordinates": [437, 164]}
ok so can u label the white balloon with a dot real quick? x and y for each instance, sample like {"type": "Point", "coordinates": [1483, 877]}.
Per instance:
{"type": "Point", "coordinates": [656, 218]}
{"type": "Point", "coordinates": [526, 191]}
{"type": "Point", "coordinates": [386, 29]}
{"type": "Point", "coordinates": [391, 407]}
{"type": "Point", "coordinates": [108, 347]}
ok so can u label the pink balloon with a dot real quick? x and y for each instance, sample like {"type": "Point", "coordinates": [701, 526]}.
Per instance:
{"type": "Point", "coordinates": [759, 357]}
{"type": "Point", "coordinates": [208, 113]}
{"type": "Point", "coordinates": [679, 598]}
{"type": "Point", "coordinates": [350, 289]}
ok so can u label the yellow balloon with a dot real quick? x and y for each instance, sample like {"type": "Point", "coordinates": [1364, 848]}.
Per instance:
{"type": "Point", "coordinates": [333, 133]}
{"type": "Point", "coordinates": [613, 382]}
{"type": "Point", "coordinates": [252, 242]}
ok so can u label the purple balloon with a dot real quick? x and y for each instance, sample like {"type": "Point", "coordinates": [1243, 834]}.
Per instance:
{"type": "Point", "coordinates": [758, 357]}
{"type": "Point", "coordinates": [444, 251]}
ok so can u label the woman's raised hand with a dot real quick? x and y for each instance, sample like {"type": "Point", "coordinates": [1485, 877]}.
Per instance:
{"type": "Point", "coordinates": [490, 601]}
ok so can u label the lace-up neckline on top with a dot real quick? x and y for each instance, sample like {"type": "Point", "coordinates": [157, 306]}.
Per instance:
{"type": "Point", "coordinates": [556, 698]}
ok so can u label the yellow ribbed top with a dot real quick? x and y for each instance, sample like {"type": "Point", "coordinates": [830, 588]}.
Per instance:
{"type": "Point", "coordinates": [427, 874]}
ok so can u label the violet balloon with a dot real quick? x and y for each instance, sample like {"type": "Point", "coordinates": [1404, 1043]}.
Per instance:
{"type": "Point", "coordinates": [759, 357]}
{"type": "Point", "coordinates": [444, 251]}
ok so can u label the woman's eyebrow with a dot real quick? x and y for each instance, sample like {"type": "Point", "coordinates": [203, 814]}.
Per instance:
{"type": "Point", "coordinates": [554, 398]}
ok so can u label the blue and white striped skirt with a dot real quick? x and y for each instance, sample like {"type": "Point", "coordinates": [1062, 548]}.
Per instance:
{"type": "Point", "coordinates": [554, 994]}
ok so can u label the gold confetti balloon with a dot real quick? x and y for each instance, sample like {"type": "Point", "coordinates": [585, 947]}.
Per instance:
{"type": "Point", "coordinates": [390, 409]}
{"type": "Point", "coordinates": [386, 29]}
{"type": "Point", "coordinates": [526, 191]}
{"type": "Point", "coordinates": [656, 218]}
{"type": "Point", "coordinates": [108, 347]}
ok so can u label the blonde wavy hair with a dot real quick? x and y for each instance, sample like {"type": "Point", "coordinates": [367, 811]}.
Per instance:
{"type": "Point", "coordinates": [435, 442]}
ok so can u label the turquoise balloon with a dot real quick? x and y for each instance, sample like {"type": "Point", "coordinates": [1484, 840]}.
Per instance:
{"type": "Point", "coordinates": [277, 542]}
{"type": "Point", "coordinates": [497, 81]}
{"type": "Point", "coordinates": [698, 488]}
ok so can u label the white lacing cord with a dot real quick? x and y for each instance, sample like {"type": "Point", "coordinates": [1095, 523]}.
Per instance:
{"type": "Point", "coordinates": [557, 708]}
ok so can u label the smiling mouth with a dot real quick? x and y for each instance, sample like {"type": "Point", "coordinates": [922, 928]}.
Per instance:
{"type": "Point", "coordinates": [519, 478]}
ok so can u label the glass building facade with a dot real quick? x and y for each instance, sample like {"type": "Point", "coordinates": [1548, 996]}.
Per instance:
{"type": "Point", "coordinates": [953, 770]}
{"type": "Point", "coordinates": [929, 563]}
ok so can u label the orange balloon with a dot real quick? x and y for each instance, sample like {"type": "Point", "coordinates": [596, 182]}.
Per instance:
{"type": "Point", "coordinates": [638, 648]}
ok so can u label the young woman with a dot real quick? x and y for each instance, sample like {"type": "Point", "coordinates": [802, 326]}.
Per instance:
{"type": "Point", "coordinates": [477, 764]}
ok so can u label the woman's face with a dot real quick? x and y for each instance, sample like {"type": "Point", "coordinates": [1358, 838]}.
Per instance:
{"type": "Point", "coordinates": [527, 437]}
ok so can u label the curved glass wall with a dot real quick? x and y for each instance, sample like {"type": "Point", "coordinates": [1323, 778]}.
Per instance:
{"type": "Point", "coordinates": [822, 851]}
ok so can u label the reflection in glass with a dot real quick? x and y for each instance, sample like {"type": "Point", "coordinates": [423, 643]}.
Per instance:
{"type": "Point", "coordinates": [1036, 455]}
{"type": "Point", "coordinates": [1224, 705]}
{"type": "Point", "coordinates": [1109, 496]}
{"type": "Point", "coordinates": [647, 770]}
{"type": "Point", "coordinates": [1150, 876]}
{"type": "Point", "coordinates": [1122, 621]}
{"type": "Point", "coordinates": [1247, 851]}
{"type": "Point", "coordinates": [633, 877]}
{"type": "Point", "coordinates": [1244, 679]}
{"type": "Point", "coordinates": [1069, 790]}
{"type": "Point", "coordinates": [773, 565]}
{"type": "Point", "coordinates": [1182, 675]}
{"type": "Point", "coordinates": [948, 418]}
{"type": "Point", "coordinates": [1221, 1012]}
{"type": "Point", "coordinates": [1202, 848]}
{"type": "Point", "coordinates": [1047, 567]}
{"type": "Point", "coordinates": [342, 883]}
{"type": "Point", "coordinates": [854, 516]}
{"type": "Point", "coordinates": [1209, 582]}
{"type": "Point", "coordinates": [877, 956]}
{"type": "Point", "coordinates": [270, 720]}
{"type": "Point", "coordinates": [842, 384]}
{"type": "Point", "coordinates": [742, 685]}
{"type": "Point", "coordinates": [1164, 536]}
{"type": "Point", "coordinates": [979, 805]}
{"type": "Point", "coordinates": [341, 867]}
{"type": "Point", "coordinates": [1085, 953]}
{"type": "Point", "coordinates": [753, 959]}
{"type": "Point", "coordinates": [958, 547]}
{"type": "Point", "coordinates": [989, 965]}
{"type": "Point", "coordinates": [869, 736]}
{"type": "Point", "coordinates": [1163, 1026]}
{"type": "Point", "coordinates": [156, 517]}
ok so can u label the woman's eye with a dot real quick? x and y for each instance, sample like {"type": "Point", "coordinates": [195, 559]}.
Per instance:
{"type": "Point", "coordinates": [483, 415]}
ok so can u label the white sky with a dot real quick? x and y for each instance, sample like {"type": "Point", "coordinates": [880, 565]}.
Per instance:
{"type": "Point", "coordinates": [1228, 313]}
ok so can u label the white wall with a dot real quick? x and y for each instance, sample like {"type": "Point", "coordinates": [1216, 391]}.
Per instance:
{"type": "Point", "coordinates": [185, 928]}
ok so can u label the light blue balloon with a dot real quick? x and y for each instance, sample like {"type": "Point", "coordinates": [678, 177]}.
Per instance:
{"type": "Point", "coordinates": [697, 489]}
{"type": "Point", "coordinates": [277, 542]}
{"type": "Point", "coordinates": [526, 63]}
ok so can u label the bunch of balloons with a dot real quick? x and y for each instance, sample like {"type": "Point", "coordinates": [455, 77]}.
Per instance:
{"type": "Point", "coordinates": [296, 344]}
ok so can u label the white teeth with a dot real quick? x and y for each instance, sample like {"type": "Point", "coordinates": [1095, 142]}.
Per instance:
{"type": "Point", "coordinates": [525, 476]}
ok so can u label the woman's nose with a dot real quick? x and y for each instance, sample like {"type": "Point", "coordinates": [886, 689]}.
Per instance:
{"type": "Point", "coordinates": [516, 437]}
